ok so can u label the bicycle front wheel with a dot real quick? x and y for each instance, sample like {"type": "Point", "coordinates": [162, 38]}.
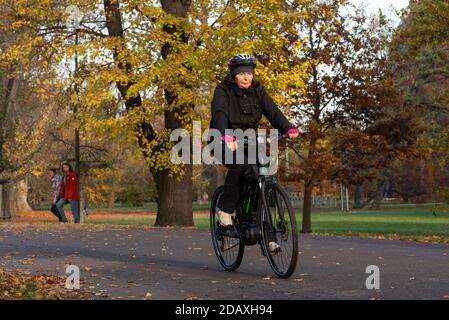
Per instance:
{"type": "Point", "coordinates": [279, 226]}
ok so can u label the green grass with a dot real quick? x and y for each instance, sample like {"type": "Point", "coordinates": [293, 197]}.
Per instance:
{"type": "Point", "coordinates": [402, 221]}
{"type": "Point", "coordinates": [411, 221]}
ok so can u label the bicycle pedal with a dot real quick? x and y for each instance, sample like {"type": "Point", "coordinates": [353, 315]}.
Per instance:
{"type": "Point", "coordinates": [227, 231]}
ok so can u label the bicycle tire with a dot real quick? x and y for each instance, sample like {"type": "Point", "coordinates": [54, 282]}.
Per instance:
{"type": "Point", "coordinates": [218, 244]}
{"type": "Point", "coordinates": [265, 215]}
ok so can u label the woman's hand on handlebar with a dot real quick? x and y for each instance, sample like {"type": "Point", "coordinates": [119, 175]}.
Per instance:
{"type": "Point", "coordinates": [293, 133]}
{"type": "Point", "coordinates": [231, 143]}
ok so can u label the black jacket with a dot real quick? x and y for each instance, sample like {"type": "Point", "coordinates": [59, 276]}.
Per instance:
{"type": "Point", "coordinates": [236, 108]}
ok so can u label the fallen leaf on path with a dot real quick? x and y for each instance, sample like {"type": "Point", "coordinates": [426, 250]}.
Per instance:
{"type": "Point", "coordinates": [148, 296]}
{"type": "Point", "coordinates": [19, 285]}
{"type": "Point", "coordinates": [193, 298]}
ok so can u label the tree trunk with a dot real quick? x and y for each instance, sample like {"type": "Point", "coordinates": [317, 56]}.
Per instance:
{"type": "Point", "coordinates": [174, 197]}
{"type": "Point", "coordinates": [112, 199]}
{"type": "Point", "coordinates": [379, 196]}
{"type": "Point", "coordinates": [199, 195]}
{"type": "Point", "coordinates": [405, 198]}
{"type": "Point", "coordinates": [308, 188]}
{"type": "Point", "coordinates": [4, 208]}
{"type": "Point", "coordinates": [307, 208]}
{"type": "Point", "coordinates": [17, 194]}
{"type": "Point", "coordinates": [9, 87]}
{"type": "Point", "coordinates": [358, 197]}
{"type": "Point", "coordinates": [202, 196]}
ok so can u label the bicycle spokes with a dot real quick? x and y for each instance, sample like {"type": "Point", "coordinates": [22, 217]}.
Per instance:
{"type": "Point", "coordinates": [229, 245]}
{"type": "Point", "coordinates": [229, 250]}
{"type": "Point", "coordinates": [280, 227]}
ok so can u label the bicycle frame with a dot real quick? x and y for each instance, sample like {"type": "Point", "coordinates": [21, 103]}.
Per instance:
{"type": "Point", "coordinates": [254, 202]}
{"type": "Point", "coordinates": [258, 192]}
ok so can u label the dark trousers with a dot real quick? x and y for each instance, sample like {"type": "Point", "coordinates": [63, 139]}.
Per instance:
{"type": "Point", "coordinates": [55, 211]}
{"type": "Point", "coordinates": [233, 187]}
{"type": "Point", "coordinates": [74, 205]}
{"type": "Point", "coordinates": [234, 182]}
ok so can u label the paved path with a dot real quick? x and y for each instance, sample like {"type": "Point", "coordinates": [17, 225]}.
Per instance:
{"type": "Point", "coordinates": [179, 263]}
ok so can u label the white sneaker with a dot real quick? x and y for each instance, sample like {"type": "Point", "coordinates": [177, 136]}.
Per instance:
{"type": "Point", "coordinates": [274, 247]}
{"type": "Point", "coordinates": [225, 218]}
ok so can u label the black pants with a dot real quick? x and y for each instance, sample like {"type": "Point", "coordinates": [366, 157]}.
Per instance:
{"type": "Point", "coordinates": [234, 182]}
{"type": "Point", "coordinates": [55, 211]}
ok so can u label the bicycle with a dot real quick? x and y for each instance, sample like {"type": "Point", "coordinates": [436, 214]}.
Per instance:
{"type": "Point", "coordinates": [264, 214]}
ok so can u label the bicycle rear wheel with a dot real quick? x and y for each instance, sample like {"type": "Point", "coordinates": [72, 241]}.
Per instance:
{"type": "Point", "coordinates": [279, 225]}
{"type": "Point", "coordinates": [229, 251]}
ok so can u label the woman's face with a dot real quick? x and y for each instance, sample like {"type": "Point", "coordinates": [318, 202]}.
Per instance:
{"type": "Point", "coordinates": [51, 174]}
{"type": "Point", "coordinates": [65, 168]}
{"type": "Point", "coordinates": [244, 79]}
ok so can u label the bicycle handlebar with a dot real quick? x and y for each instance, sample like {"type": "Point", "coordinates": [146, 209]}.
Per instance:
{"type": "Point", "coordinates": [279, 137]}
{"type": "Point", "coordinates": [249, 140]}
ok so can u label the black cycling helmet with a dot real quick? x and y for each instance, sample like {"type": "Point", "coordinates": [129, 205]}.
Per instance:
{"type": "Point", "coordinates": [241, 59]}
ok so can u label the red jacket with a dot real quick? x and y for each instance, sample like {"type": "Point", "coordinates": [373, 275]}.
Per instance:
{"type": "Point", "coordinates": [69, 187]}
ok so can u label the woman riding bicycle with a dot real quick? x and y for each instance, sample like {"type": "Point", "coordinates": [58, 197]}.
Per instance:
{"type": "Point", "coordinates": [239, 102]}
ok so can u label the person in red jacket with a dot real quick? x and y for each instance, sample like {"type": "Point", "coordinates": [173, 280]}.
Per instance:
{"type": "Point", "coordinates": [69, 193]}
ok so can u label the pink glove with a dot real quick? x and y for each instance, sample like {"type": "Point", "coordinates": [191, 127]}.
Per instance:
{"type": "Point", "coordinates": [293, 133]}
{"type": "Point", "coordinates": [230, 142]}
{"type": "Point", "coordinates": [228, 138]}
